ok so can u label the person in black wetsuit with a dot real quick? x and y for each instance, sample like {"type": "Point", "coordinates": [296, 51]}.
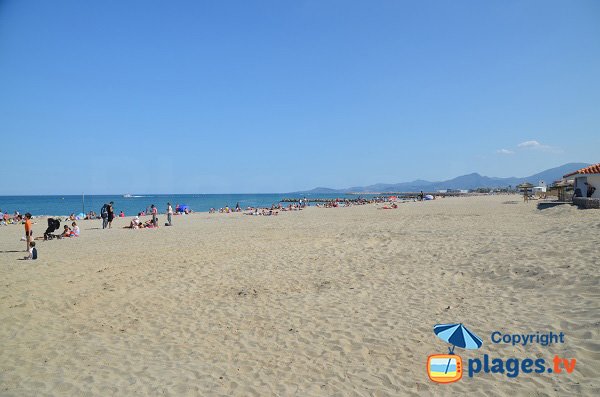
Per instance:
{"type": "Point", "coordinates": [111, 214]}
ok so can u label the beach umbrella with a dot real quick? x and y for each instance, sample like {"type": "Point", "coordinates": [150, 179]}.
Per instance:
{"type": "Point", "coordinates": [457, 335]}
{"type": "Point", "coordinates": [525, 186]}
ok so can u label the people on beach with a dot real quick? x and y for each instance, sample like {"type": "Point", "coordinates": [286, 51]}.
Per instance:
{"type": "Point", "coordinates": [31, 252]}
{"type": "Point", "coordinates": [104, 215]}
{"type": "Point", "coordinates": [121, 214]}
{"type": "Point", "coordinates": [263, 211]}
{"type": "Point", "coordinates": [154, 213]}
{"type": "Point", "coordinates": [91, 215]}
{"type": "Point", "coordinates": [169, 214]}
{"type": "Point", "coordinates": [134, 224]}
{"type": "Point", "coordinates": [74, 230]}
{"type": "Point", "coordinates": [111, 214]}
{"type": "Point", "coordinates": [28, 230]}
{"type": "Point", "coordinates": [66, 232]}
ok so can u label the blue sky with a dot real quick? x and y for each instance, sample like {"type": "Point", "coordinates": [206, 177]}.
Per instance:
{"type": "Point", "coordinates": [276, 96]}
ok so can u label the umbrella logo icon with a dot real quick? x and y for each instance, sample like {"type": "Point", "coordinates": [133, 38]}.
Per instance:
{"type": "Point", "coordinates": [447, 368]}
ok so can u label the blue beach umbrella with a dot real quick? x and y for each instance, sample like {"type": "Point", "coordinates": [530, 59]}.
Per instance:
{"type": "Point", "coordinates": [457, 335]}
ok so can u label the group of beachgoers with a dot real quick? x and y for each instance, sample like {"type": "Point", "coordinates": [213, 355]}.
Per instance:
{"type": "Point", "coordinates": [53, 225]}
{"type": "Point", "coordinates": [72, 231]}
{"type": "Point", "coordinates": [137, 223]}
{"type": "Point", "coordinates": [108, 214]}
{"type": "Point", "coordinates": [226, 209]}
{"type": "Point", "coordinates": [265, 211]}
{"type": "Point", "coordinates": [337, 203]}
{"type": "Point", "coordinates": [10, 219]}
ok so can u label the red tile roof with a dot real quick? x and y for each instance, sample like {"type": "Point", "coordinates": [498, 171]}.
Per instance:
{"type": "Point", "coordinates": [592, 169]}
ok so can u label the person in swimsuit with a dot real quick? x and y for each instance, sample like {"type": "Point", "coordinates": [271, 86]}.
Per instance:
{"type": "Point", "coordinates": [154, 213]}
{"type": "Point", "coordinates": [169, 214]}
{"type": "Point", "coordinates": [66, 232]}
{"type": "Point", "coordinates": [28, 231]}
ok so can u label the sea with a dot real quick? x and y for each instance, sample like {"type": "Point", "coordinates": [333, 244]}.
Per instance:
{"type": "Point", "coordinates": [133, 204]}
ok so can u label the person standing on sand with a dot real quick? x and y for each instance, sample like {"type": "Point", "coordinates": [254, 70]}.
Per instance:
{"type": "Point", "coordinates": [169, 213]}
{"type": "Point", "coordinates": [111, 214]}
{"type": "Point", "coordinates": [28, 231]}
{"type": "Point", "coordinates": [154, 212]}
{"type": "Point", "coordinates": [104, 215]}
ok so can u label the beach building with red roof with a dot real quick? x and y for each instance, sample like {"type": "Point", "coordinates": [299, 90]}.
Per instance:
{"type": "Point", "coordinates": [586, 181]}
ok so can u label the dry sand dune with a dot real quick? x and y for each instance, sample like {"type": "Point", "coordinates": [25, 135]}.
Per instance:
{"type": "Point", "coordinates": [309, 303]}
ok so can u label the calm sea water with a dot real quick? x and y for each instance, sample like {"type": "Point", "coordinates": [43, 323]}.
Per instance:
{"type": "Point", "coordinates": [65, 205]}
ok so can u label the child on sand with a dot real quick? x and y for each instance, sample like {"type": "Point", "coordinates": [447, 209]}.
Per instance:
{"type": "Point", "coordinates": [28, 231]}
{"type": "Point", "coordinates": [32, 252]}
{"type": "Point", "coordinates": [66, 232]}
{"type": "Point", "coordinates": [75, 230]}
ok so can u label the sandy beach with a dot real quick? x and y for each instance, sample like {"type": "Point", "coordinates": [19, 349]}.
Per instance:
{"type": "Point", "coordinates": [319, 302]}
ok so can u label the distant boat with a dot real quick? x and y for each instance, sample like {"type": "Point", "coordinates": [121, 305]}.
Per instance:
{"type": "Point", "coordinates": [127, 195]}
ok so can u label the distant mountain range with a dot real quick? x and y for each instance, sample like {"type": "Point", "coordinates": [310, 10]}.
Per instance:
{"type": "Point", "coordinates": [469, 181]}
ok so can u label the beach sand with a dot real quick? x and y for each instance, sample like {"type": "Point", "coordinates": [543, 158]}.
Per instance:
{"type": "Point", "coordinates": [309, 303]}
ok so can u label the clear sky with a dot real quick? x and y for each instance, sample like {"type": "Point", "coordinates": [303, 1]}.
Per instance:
{"type": "Point", "coordinates": [276, 96]}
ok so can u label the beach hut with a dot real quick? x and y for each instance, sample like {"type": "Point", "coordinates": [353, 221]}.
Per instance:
{"type": "Point", "coordinates": [561, 187]}
{"type": "Point", "coordinates": [525, 187]}
{"type": "Point", "coordinates": [586, 181]}
{"type": "Point", "coordinates": [586, 186]}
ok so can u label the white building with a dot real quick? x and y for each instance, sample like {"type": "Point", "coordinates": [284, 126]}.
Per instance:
{"type": "Point", "coordinates": [540, 188]}
{"type": "Point", "coordinates": [586, 180]}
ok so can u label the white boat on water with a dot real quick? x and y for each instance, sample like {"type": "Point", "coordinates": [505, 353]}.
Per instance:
{"type": "Point", "coordinates": [127, 195]}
